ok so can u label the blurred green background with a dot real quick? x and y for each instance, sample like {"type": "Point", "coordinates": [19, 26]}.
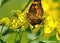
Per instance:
{"type": "Point", "coordinates": [9, 6]}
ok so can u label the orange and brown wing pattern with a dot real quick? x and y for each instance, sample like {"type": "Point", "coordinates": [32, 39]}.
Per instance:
{"type": "Point", "coordinates": [35, 13]}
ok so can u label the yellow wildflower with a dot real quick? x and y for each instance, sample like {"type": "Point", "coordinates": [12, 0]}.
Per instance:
{"type": "Point", "coordinates": [45, 5]}
{"type": "Point", "coordinates": [14, 24]}
{"type": "Point", "coordinates": [20, 21]}
{"type": "Point", "coordinates": [22, 18]}
{"type": "Point", "coordinates": [37, 27]}
{"type": "Point", "coordinates": [50, 22]}
{"type": "Point", "coordinates": [24, 27]}
{"type": "Point", "coordinates": [49, 25]}
{"type": "Point", "coordinates": [17, 13]}
{"type": "Point", "coordinates": [50, 8]}
{"type": "Point", "coordinates": [23, 21]}
{"type": "Point", "coordinates": [35, 30]}
{"type": "Point", "coordinates": [58, 30]}
{"type": "Point", "coordinates": [48, 29]}
{"type": "Point", "coordinates": [49, 5]}
{"type": "Point", "coordinates": [51, 15]}
{"type": "Point", "coordinates": [5, 21]}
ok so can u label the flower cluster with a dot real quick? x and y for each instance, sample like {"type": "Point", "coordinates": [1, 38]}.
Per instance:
{"type": "Point", "coordinates": [5, 21]}
{"type": "Point", "coordinates": [49, 25]}
{"type": "Point", "coordinates": [19, 20]}
{"type": "Point", "coordinates": [51, 17]}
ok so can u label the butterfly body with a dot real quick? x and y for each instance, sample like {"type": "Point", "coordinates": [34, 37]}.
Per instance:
{"type": "Point", "coordinates": [35, 13]}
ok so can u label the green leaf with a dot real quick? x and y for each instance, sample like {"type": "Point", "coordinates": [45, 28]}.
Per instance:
{"type": "Point", "coordinates": [1, 2]}
{"type": "Point", "coordinates": [24, 38]}
{"type": "Point", "coordinates": [52, 38]}
{"type": "Point", "coordinates": [10, 38]}
{"type": "Point", "coordinates": [4, 29]}
{"type": "Point", "coordinates": [41, 42]}
{"type": "Point", "coordinates": [2, 41]}
{"type": "Point", "coordinates": [35, 41]}
{"type": "Point", "coordinates": [8, 31]}
{"type": "Point", "coordinates": [28, 6]}
{"type": "Point", "coordinates": [0, 28]}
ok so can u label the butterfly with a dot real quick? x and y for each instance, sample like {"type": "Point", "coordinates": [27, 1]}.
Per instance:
{"type": "Point", "coordinates": [35, 13]}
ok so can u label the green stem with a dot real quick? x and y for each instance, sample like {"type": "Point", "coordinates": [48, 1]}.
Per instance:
{"type": "Point", "coordinates": [35, 39]}
{"type": "Point", "coordinates": [27, 5]}
{"type": "Point", "coordinates": [16, 37]}
{"type": "Point", "coordinates": [1, 31]}
{"type": "Point", "coordinates": [20, 34]}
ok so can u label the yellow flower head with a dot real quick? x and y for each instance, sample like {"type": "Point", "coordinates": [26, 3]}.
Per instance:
{"type": "Point", "coordinates": [49, 5]}
{"type": "Point", "coordinates": [20, 21]}
{"type": "Point", "coordinates": [14, 24]}
{"type": "Point", "coordinates": [23, 21]}
{"type": "Point", "coordinates": [35, 30]}
{"type": "Point", "coordinates": [48, 29]}
{"type": "Point", "coordinates": [50, 22]}
{"type": "Point", "coordinates": [22, 18]}
{"type": "Point", "coordinates": [24, 27]}
{"type": "Point", "coordinates": [17, 13]}
{"type": "Point", "coordinates": [49, 25]}
{"type": "Point", "coordinates": [5, 21]}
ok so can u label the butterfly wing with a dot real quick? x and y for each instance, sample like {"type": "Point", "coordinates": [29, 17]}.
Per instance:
{"type": "Point", "coordinates": [35, 13]}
